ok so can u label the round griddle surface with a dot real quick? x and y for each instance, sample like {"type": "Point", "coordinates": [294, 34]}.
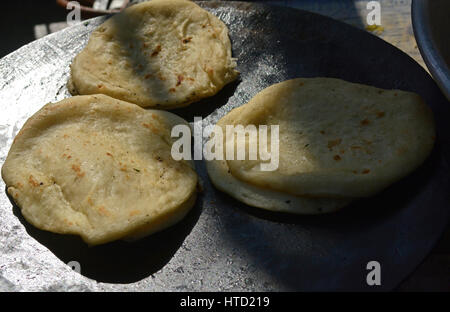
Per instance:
{"type": "Point", "coordinates": [223, 244]}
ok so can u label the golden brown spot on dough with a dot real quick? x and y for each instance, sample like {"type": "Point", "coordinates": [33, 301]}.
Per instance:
{"type": "Point", "coordinates": [322, 132]}
{"type": "Point", "coordinates": [134, 213]}
{"type": "Point", "coordinates": [365, 122]}
{"type": "Point", "coordinates": [161, 77]}
{"type": "Point", "coordinates": [78, 171]}
{"type": "Point", "coordinates": [333, 143]}
{"type": "Point", "coordinates": [90, 201]}
{"type": "Point", "coordinates": [187, 40]}
{"type": "Point", "coordinates": [103, 211]}
{"type": "Point", "coordinates": [65, 136]}
{"type": "Point", "coordinates": [151, 127]}
{"type": "Point", "coordinates": [99, 86]}
{"type": "Point", "coordinates": [365, 171]}
{"type": "Point", "coordinates": [301, 84]}
{"type": "Point", "coordinates": [356, 147]}
{"type": "Point", "coordinates": [68, 222]}
{"type": "Point", "coordinates": [32, 181]}
{"type": "Point", "coordinates": [380, 114]}
{"type": "Point", "coordinates": [109, 154]}
{"type": "Point", "coordinates": [156, 51]}
{"type": "Point", "coordinates": [147, 76]}
{"type": "Point", "coordinates": [337, 157]}
{"type": "Point", "coordinates": [180, 79]}
{"type": "Point", "coordinates": [210, 71]}
{"type": "Point", "coordinates": [172, 90]}
{"type": "Point", "coordinates": [123, 168]}
{"type": "Point", "coordinates": [19, 185]}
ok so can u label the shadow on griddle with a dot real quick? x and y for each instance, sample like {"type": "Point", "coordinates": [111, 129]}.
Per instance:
{"type": "Point", "coordinates": [117, 262]}
{"type": "Point", "coordinates": [205, 107]}
{"type": "Point", "coordinates": [139, 63]}
{"type": "Point", "coordinates": [274, 240]}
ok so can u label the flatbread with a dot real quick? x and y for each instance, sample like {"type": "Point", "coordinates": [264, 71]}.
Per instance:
{"type": "Point", "coordinates": [100, 168]}
{"type": "Point", "coordinates": [268, 199]}
{"type": "Point", "coordinates": [261, 197]}
{"type": "Point", "coordinates": [337, 139]}
{"type": "Point", "coordinates": [160, 53]}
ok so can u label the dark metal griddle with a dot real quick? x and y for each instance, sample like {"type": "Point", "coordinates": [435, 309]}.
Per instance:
{"type": "Point", "coordinates": [224, 245]}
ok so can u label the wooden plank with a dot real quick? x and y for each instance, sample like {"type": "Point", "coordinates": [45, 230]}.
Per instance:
{"type": "Point", "coordinates": [396, 25]}
{"type": "Point", "coordinates": [101, 4]}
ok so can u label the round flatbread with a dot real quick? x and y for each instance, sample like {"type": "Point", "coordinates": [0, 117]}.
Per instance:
{"type": "Point", "coordinates": [337, 141]}
{"type": "Point", "coordinates": [100, 168]}
{"type": "Point", "coordinates": [261, 197]}
{"type": "Point", "coordinates": [160, 53]}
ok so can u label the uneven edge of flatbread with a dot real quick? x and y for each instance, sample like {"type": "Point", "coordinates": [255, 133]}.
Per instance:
{"type": "Point", "coordinates": [264, 198]}
{"type": "Point", "coordinates": [169, 219]}
{"type": "Point", "coordinates": [268, 199]}
{"type": "Point", "coordinates": [164, 221]}
{"type": "Point", "coordinates": [71, 87]}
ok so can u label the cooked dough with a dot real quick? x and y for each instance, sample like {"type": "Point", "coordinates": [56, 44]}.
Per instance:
{"type": "Point", "coordinates": [160, 53]}
{"type": "Point", "coordinates": [100, 168]}
{"type": "Point", "coordinates": [255, 196]}
{"type": "Point", "coordinates": [338, 140]}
